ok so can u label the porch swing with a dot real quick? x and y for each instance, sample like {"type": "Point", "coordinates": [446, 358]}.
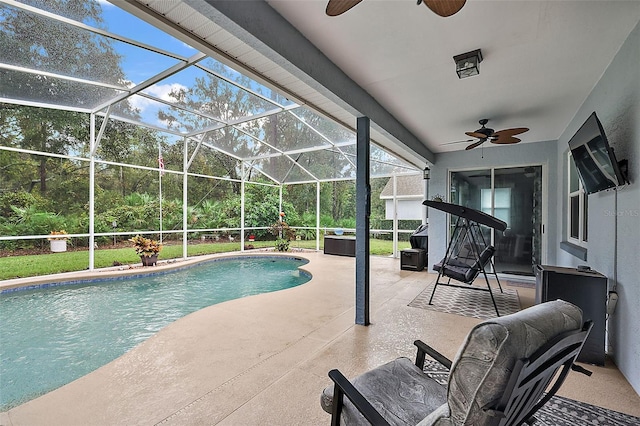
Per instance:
{"type": "Point", "coordinates": [467, 252]}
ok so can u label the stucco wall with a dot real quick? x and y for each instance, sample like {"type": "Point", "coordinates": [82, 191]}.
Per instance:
{"type": "Point", "coordinates": [616, 101]}
{"type": "Point", "coordinates": [539, 153]}
{"type": "Point", "coordinates": [614, 216]}
{"type": "Point", "coordinates": [407, 209]}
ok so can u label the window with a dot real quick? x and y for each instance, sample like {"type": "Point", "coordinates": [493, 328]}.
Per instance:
{"type": "Point", "coordinates": [502, 207]}
{"type": "Point", "coordinates": [578, 208]}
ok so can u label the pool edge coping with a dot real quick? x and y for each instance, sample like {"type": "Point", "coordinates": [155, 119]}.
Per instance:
{"type": "Point", "coordinates": [113, 273]}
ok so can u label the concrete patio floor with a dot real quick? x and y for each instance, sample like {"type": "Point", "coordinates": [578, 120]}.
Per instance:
{"type": "Point", "coordinates": [264, 359]}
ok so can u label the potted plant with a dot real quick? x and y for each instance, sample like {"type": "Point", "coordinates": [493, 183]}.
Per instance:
{"type": "Point", "coordinates": [147, 248]}
{"type": "Point", "coordinates": [58, 241]}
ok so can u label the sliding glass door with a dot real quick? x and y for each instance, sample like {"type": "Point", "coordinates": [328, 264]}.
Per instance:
{"type": "Point", "coordinates": [513, 195]}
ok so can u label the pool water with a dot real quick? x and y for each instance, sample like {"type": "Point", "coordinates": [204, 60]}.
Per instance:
{"type": "Point", "coordinates": [53, 336]}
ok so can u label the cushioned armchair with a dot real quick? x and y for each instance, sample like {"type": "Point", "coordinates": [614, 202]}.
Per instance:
{"type": "Point", "coordinates": [498, 377]}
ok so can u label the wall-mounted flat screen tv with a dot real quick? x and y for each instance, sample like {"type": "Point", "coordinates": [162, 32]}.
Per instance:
{"type": "Point", "coordinates": [594, 158]}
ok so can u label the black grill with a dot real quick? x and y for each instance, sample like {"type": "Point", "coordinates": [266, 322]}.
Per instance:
{"type": "Point", "coordinates": [420, 238]}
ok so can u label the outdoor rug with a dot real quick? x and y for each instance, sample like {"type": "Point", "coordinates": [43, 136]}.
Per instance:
{"type": "Point", "coordinates": [559, 411]}
{"type": "Point", "coordinates": [523, 284]}
{"type": "Point", "coordinates": [468, 303]}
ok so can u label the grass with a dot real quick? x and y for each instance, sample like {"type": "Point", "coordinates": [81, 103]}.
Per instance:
{"type": "Point", "coordinates": [54, 263]}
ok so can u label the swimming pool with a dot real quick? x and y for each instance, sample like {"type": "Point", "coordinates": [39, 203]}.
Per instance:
{"type": "Point", "coordinates": [50, 337]}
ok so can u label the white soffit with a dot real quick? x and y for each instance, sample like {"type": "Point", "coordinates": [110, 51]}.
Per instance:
{"type": "Point", "coordinates": [185, 23]}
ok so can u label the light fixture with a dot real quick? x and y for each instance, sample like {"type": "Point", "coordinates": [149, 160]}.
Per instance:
{"type": "Point", "coordinates": [426, 173]}
{"type": "Point", "coordinates": [468, 64]}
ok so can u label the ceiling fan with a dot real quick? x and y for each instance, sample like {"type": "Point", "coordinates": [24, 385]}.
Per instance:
{"type": "Point", "coordinates": [440, 7]}
{"type": "Point", "coordinates": [502, 137]}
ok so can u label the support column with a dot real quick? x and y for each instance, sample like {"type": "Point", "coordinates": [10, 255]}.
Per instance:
{"type": "Point", "coordinates": [92, 191]}
{"type": "Point", "coordinates": [395, 216]}
{"type": "Point", "coordinates": [160, 173]}
{"type": "Point", "coordinates": [318, 216]}
{"type": "Point", "coordinates": [426, 174]}
{"type": "Point", "coordinates": [242, 207]}
{"type": "Point", "coordinates": [185, 198]}
{"type": "Point", "coordinates": [363, 212]}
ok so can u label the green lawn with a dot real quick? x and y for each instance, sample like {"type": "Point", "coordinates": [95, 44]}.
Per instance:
{"type": "Point", "coordinates": [53, 263]}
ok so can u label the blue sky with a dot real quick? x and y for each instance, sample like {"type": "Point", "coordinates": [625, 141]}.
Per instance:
{"type": "Point", "coordinates": [125, 24]}
{"type": "Point", "coordinates": [140, 64]}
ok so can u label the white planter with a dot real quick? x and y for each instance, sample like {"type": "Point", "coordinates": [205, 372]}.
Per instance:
{"type": "Point", "coordinates": [58, 246]}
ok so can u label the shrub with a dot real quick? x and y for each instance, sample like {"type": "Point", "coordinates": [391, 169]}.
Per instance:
{"type": "Point", "coordinates": [306, 234]}
{"type": "Point", "coordinates": [282, 244]}
{"type": "Point", "coordinates": [282, 230]}
{"type": "Point", "coordinates": [10, 201]}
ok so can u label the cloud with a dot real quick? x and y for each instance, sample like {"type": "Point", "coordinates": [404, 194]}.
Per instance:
{"type": "Point", "coordinates": [140, 103]}
{"type": "Point", "coordinates": [163, 91]}
{"type": "Point", "coordinates": [149, 108]}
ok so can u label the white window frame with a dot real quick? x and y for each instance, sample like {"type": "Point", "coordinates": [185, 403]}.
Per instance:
{"type": "Point", "coordinates": [495, 208]}
{"type": "Point", "coordinates": [583, 234]}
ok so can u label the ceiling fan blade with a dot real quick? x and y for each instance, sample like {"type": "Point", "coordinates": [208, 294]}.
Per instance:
{"type": "Point", "coordinates": [476, 135]}
{"type": "Point", "coordinates": [510, 132]}
{"type": "Point", "coordinates": [473, 145]}
{"type": "Point", "coordinates": [505, 140]}
{"type": "Point", "coordinates": [445, 8]}
{"type": "Point", "coordinates": [338, 7]}
{"type": "Point", "coordinates": [453, 143]}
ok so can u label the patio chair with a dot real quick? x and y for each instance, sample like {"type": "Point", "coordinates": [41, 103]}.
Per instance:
{"type": "Point", "coordinates": [499, 376]}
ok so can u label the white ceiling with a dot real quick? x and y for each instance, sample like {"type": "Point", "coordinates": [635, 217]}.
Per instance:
{"type": "Point", "coordinates": [541, 59]}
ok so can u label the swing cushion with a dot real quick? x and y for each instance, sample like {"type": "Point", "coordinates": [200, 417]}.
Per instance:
{"type": "Point", "coordinates": [461, 271]}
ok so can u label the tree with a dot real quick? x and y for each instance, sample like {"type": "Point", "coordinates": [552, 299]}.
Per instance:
{"type": "Point", "coordinates": [128, 143]}
{"type": "Point", "coordinates": [42, 44]}
{"type": "Point", "coordinates": [217, 98]}
{"type": "Point", "coordinates": [51, 131]}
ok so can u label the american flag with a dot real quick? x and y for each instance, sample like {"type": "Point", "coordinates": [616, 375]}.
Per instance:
{"type": "Point", "coordinates": [161, 164]}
